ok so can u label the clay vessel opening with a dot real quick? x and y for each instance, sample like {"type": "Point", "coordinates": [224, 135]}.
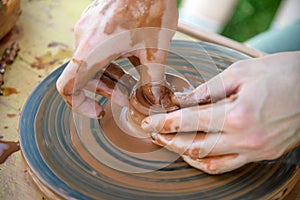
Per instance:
{"type": "Point", "coordinates": [122, 125]}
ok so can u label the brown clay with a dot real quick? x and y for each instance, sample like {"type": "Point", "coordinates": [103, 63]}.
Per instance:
{"type": "Point", "coordinates": [7, 148]}
{"type": "Point", "coordinates": [140, 106]}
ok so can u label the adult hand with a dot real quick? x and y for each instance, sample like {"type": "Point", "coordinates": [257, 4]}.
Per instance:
{"type": "Point", "coordinates": [112, 29]}
{"type": "Point", "coordinates": [258, 120]}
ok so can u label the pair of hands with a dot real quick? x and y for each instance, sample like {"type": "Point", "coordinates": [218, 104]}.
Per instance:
{"type": "Point", "coordinates": [258, 120]}
{"type": "Point", "coordinates": [255, 109]}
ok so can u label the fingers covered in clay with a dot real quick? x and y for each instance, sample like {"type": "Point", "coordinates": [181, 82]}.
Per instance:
{"type": "Point", "coordinates": [207, 152]}
{"type": "Point", "coordinates": [217, 164]}
{"type": "Point", "coordinates": [116, 73]}
{"type": "Point", "coordinates": [209, 117]}
{"type": "Point", "coordinates": [101, 39]}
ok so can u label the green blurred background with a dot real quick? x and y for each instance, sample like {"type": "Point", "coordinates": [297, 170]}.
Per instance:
{"type": "Point", "coordinates": [250, 18]}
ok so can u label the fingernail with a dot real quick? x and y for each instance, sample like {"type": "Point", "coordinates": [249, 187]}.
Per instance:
{"type": "Point", "coordinates": [101, 115]}
{"type": "Point", "coordinates": [154, 136]}
{"type": "Point", "coordinates": [178, 94]}
{"type": "Point", "coordinates": [157, 139]}
{"type": "Point", "coordinates": [146, 124]}
{"type": "Point", "coordinates": [162, 140]}
{"type": "Point", "coordinates": [212, 166]}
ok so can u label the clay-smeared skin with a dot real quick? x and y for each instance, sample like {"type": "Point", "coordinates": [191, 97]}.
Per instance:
{"type": "Point", "coordinates": [106, 84]}
{"type": "Point", "coordinates": [116, 73]}
{"type": "Point", "coordinates": [131, 14]}
{"type": "Point", "coordinates": [171, 124]}
{"type": "Point", "coordinates": [159, 94]}
{"type": "Point", "coordinates": [243, 128]}
{"type": "Point", "coordinates": [112, 29]}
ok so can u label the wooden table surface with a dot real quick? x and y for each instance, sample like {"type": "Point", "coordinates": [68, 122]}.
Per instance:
{"type": "Point", "coordinates": [45, 35]}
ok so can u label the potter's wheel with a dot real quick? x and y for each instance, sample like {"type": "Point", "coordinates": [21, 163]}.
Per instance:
{"type": "Point", "coordinates": [71, 157]}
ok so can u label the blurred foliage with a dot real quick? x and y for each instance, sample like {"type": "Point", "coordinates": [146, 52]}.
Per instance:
{"type": "Point", "coordinates": [250, 18]}
{"type": "Point", "coordinates": [179, 3]}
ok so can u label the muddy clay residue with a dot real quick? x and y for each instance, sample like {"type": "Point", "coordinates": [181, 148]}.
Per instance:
{"type": "Point", "coordinates": [7, 91]}
{"type": "Point", "coordinates": [8, 57]}
{"type": "Point", "coordinates": [49, 59]}
{"type": "Point", "coordinates": [7, 148]}
{"type": "Point", "coordinates": [11, 115]}
{"type": "Point", "coordinates": [57, 44]}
